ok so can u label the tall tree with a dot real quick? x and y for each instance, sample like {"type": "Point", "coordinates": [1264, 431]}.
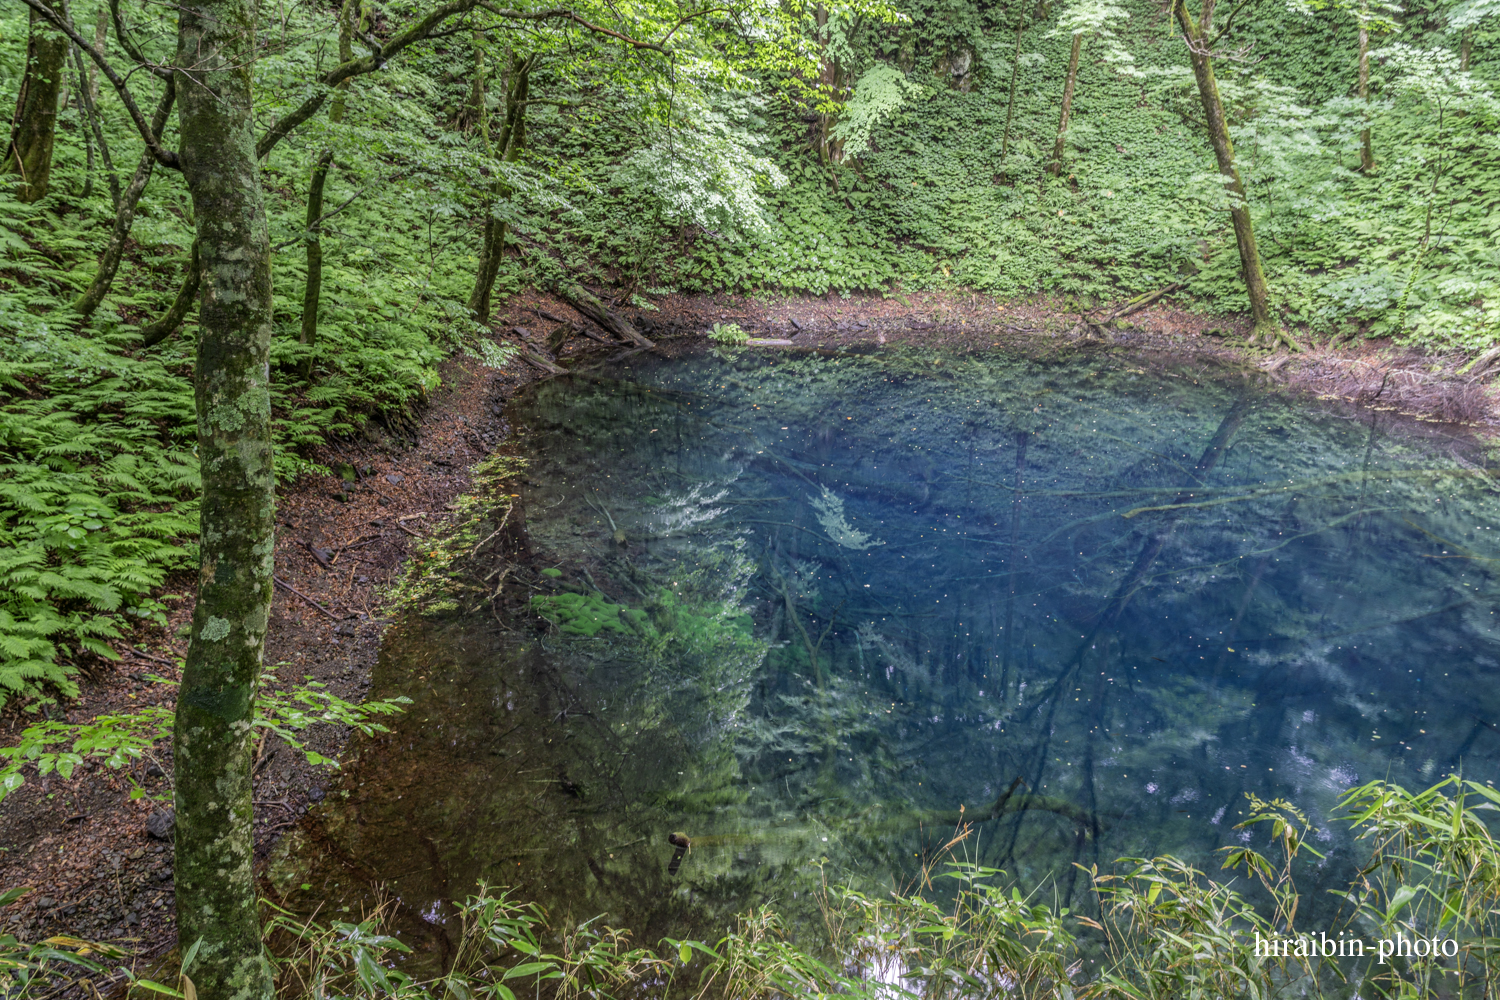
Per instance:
{"type": "Point", "coordinates": [1366, 154]}
{"type": "Point", "coordinates": [312, 291]}
{"type": "Point", "coordinates": [211, 743]}
{"type": "Point", "coordinates": [507, 151]}
{"type": "Point", "coordinates": [1083, 18]}
{"type": "Point", "coordinates": [1200, 36]}
{"type": "Point", "coordinates": [1055, 166]}
{"type": "Point", "coordinates": [35, 122]}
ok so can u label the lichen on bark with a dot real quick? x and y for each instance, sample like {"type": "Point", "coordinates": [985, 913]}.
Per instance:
{"type": "Point", "coordinates": [216, 897]}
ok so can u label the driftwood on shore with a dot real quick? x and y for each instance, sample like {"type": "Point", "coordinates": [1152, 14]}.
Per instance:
{"type": "Point", "coordinates": [591, 308]}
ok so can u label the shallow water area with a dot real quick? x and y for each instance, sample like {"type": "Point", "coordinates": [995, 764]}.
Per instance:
{"type": "Point", "coordinates": [822, 613]}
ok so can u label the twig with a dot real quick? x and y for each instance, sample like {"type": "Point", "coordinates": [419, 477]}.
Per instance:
{"type": "Point", "coordinates": [282, 583]}
{"type": "Point", "coordinates": [493, 533]}
{"type": "Point", "coordinates": [354, 545]}
{"type": "Point", "coordinates": [154, 659]}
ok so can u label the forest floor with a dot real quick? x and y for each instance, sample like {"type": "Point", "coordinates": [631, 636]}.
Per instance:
{"type": "Point", "coordinates": [83, 845]}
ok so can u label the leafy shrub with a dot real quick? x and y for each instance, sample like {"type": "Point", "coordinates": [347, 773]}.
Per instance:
{"type": "Point", "coordinates": [727, 333]}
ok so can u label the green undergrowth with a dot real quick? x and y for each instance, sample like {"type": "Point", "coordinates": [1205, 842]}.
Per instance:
{"type": "Point", "coordinates": [1155, 928]}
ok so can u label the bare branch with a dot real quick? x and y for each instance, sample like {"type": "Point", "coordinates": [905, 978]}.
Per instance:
{"type": "Point", "coordinates": [693, 16]}
{"type": "Point", "coordinates": [564, 14]}
{"type": "Point", "coordinates": [131, 49]}
{"type": "Point", "coordinates": [377, 58]}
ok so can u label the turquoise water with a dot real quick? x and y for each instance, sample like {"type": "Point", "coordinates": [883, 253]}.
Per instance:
{"type": "Point", "coordinates": [803, 608]}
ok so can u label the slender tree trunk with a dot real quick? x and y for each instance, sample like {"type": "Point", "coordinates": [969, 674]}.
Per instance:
{"type": "Point", "coordinates": [1055, 167]}
{"type": "Point", "coordinates": [312, 291]}
{"type": "Point", "coordinates": [101, 36]}
{"type": "Point", "coordinates": [473, 113]}
{"type": "Point", "coordinates": [1197, 35]}
{"type": "Point", "coordinates": [512, 141]}
{"type": "Point", "coordinates": [35, 123]}
{"type": "Point", "coordinates": [154, 333]}
{"type": "Point", "coordinates": [1010, 104]}
{"type": "Point", "coordinates": [126, 202]}
{"type": "Point", "coordinates": [1366, 155]}
{"type": "Point", "coordinates": [1465, 48]}
{"type": "Point", "coordinates": [215, 704]}
{"type": "Point", "coordinates": [88, 100]}
{"type": "Point", "coordinates": [88, 148]}
{"type": "Point", "coordinates": [314, 288]}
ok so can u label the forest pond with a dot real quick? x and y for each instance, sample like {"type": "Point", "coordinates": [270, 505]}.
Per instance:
{"type": "Point", "coordinates": [814, 610]}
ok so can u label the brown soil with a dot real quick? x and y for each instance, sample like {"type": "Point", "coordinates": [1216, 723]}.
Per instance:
{"type": "Point", "coordinates": [82, 844]}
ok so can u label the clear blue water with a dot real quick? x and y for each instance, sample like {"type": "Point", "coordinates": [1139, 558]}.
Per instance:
{"type": "Point", "coordinates": [870, 589]}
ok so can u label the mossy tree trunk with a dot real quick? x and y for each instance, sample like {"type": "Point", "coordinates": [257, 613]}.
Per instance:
{"type": "Point", "coordinates": [1198, 33]}
{"type": "Point", "coordinates": [35, 122]}
{"type": "Point", "coordinates": [512, 142]}
{"type": "Point", "coordinates": [1055, 167]}
{"type": "Point", "coordinates": [212, 736]}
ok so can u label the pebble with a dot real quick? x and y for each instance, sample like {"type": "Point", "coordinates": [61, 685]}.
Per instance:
{"type": "Point", "coordinates": [159, 824]}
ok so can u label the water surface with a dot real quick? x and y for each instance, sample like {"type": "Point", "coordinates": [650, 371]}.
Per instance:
{"type": "Point", "coordinates": [804, 608]}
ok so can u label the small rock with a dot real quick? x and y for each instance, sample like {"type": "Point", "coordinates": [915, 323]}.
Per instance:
{"type": "Point", "coordinates": [137, 854]}
{"type": "Point", "coordinates": [394, 478]}
{"type": "Point", "coordinates": [163, 874]}
{"type": "Point", "coordinates": [154, 771]}
{"type": "Point", "coordinates": [45, 902]}
{"type": "Point", "coordinates": [159, 824]}
{"type": "Point", "coordinates": [316, 793]}
{"type": "Point", "coordinates": [131, 919]}
{"type": "Point", "coordinates": [346, 472]}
